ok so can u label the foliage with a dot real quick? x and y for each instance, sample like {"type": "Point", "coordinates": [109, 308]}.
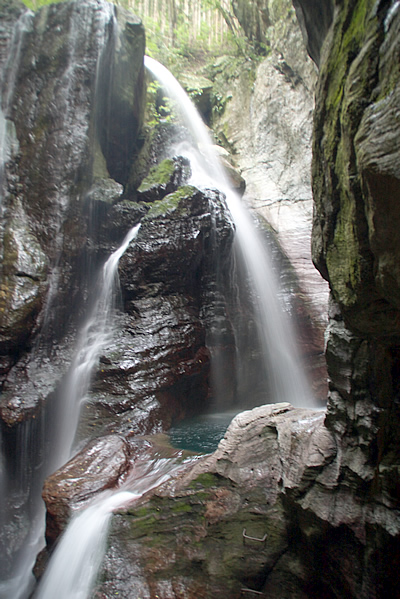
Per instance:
{"type": "Point", "coordinates": [36, 4]}
{"type": "Point", "coordinates": [158, 107]}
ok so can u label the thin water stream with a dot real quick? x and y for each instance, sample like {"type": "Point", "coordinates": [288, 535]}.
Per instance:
{"type": "Point", "coordinates": [74, 565]}
{"type": "Point", "coordinates": [94, 336]}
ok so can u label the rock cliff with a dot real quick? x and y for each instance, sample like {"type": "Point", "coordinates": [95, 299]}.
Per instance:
{"type": "Point", "coordinates": [330, 504]}
{"type": "Point", "coordinates": [294, 503]}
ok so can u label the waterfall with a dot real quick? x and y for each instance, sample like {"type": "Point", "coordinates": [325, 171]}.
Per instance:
{"type": "Point", "coordinates": [93, 337]}
{"type": "Point", "coordinates": [8, 138]}
{"type": "Point", "coordinates": [282, 363]}
{"type": "Point", "coordinates": [73, 567]}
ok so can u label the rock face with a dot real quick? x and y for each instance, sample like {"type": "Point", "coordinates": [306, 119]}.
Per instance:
{"type": "Point", "coordinates": [59, 149]}
{"type": "Point", "coordinates": [315, 18]}
{"type": "Point", "coordinates": [266, 122]}
{"type": "Point", "coordinates": [356, 181]}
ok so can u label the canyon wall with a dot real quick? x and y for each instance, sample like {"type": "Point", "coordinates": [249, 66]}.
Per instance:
{"type": "Point", "coordinates": [330, 504]}
{"type": "Point", "coordinates": [294, 503]}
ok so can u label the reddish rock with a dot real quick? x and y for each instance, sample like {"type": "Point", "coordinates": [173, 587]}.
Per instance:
{"type": "Point", "coordinates": [99, 466]}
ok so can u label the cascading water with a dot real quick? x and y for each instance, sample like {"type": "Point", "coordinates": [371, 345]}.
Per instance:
{"type": "Point", "coordinates": [287, 379]}
{"type": "Point", "coordinates": [8, 139]}
{"type": "Point", "coordinates": [73, 567]}
{"type": "Point", "coordinates": [94, 336]}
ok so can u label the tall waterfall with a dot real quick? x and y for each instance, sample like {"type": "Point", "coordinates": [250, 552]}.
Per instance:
{"type": "Point", "coordinates": [93, 337]}
{"type": "Point", "coordinates": [287, 378]}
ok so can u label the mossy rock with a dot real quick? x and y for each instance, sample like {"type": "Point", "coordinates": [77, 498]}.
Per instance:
{"type": "Point", "coordinates": [163, 179]}
{"type": "Point", "coordinates": [198, 534]}
{"type": "Point", "coordinates": [158, 175]}
{"type": "Point", "coordinates": [174, 203]}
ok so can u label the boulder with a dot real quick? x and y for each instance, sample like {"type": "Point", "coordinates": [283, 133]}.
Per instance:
{"type": "Point", "coordinates": [99, 467]}
{"type": "Point", "coordinates": [157, 368]}
{"type": "Point", "coordinates": [222, 523]}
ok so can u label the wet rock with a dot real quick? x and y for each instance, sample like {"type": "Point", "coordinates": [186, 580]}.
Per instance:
{"type": "Point", "coordinates": [200, 520]}
{"type": "Point", "coordinates": [57, 179]}
{"type": "Point", "coordinates": [24, 271]}
{"type": "Point", "coordinates": [353, 243]}
{"type": "Point", "coordinates": [315, 18]}
{"type": "Point", "coordinates": [10, 11]}
{"type": "Point", "coordinates": [157, 369]}
{"type": "Point", "coordinates": [276, 473]}
{"type": "Point", "coordinates": [99, 466]}
{"type": "Point", "coordinates": [121, 100]}
{"type": "Point", "coordinates": [163, 179]}
{"type": "Point", "coordinates": [355, 169]}
{"type": "Point", "coordinates": [105, 190]}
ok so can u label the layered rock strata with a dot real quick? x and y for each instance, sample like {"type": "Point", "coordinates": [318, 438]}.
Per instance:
{"type": "Point", "coordinates": [55, 109]}
{"type": "Point", "coordinates": [338, 517]}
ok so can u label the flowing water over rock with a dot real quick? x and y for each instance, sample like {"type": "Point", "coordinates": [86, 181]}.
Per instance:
{"type": "Point", "coordinates": [95, 335]}
{"type": "Point", "coordinates": [8, 138]}
{"type": "Point", "coordinates": [285, 373]}
{"type": "Point", "coordinates": [74, 565]}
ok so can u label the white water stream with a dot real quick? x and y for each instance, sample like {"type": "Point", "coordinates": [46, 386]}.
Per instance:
{"type": "Point", "coordinates": [93, 338]}
{"type": "Point", "coordinates": [287, 378]}
{"type": "Point", "coordinates": [8, 138]}
{"type": "Point", "coordinates": [74, 564]}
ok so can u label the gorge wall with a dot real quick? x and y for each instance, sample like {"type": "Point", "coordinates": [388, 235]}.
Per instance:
{"type": "Point", "coordinates": [294, 503]}
{"type": "Point", "coordinates": [329, 504]}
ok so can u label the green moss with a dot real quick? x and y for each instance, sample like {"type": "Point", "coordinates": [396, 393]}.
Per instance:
{"type": "Point", "coordinates": [347, 80]}
{"type": "Point", "coordinates": [142, 527]}
{"type": "Point", "coordinates": [205, 480]}
{"type": "Point", "coordinates": [172, 203]}
{"type": "Point", "coordinates": [180, 507]}
{"type": "Point", "coordinates": [350, 33]}
{"type": "Point", "coordinates": [158, 175]}
{"type": "Point", "coordinates": [342, 257]}
{"type": "Point", "coordinates": [141, 512]}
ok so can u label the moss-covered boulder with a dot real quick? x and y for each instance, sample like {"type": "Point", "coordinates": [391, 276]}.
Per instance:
{"type": "Point", "coordinates": [222, 528]}
{"type": "Point", "coordinates": [163, 179]}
